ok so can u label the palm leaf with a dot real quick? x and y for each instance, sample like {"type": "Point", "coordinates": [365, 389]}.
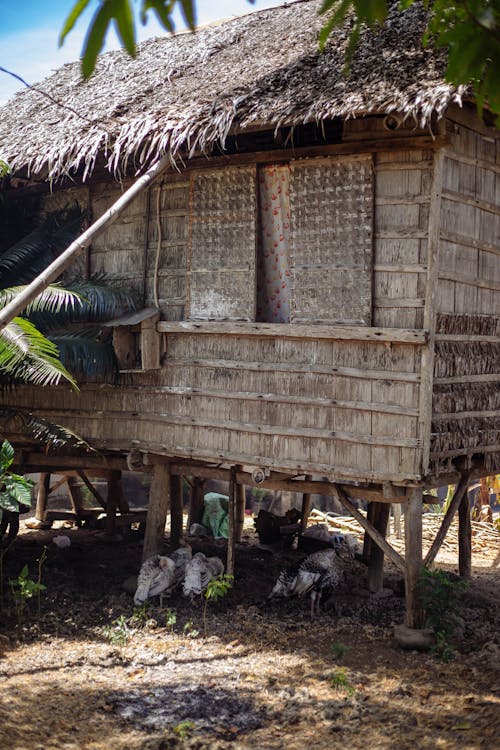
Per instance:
{"type": "Point", "coordinates": [52, 300]}
{"type": "Point", "coordinates": [101, 299]}
{"type": "Point", "coordinates": [27, 356]}
{"type": "Point", "coordinates": [41, 430]}
{"type": "Point", "coordinates": [25, 260]}
{"type": "Point", "coordinates": [85, 355]}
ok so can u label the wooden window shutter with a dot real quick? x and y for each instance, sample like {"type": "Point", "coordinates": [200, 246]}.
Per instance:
{"type": "Point", "coordinates": [331, 240]}
{"type": "Point", "coordinates": [222, 244]}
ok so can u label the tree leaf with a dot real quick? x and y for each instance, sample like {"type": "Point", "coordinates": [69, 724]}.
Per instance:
{"type": "Point", "coordinates": [94, 40]}
{"type": "Point", "coordinates": [74, 14]}
{"type": "Point", "coordinates": [124, 23]}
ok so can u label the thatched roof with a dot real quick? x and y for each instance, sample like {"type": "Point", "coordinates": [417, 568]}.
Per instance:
{"type": "Point", "coordinates": [186, 92]}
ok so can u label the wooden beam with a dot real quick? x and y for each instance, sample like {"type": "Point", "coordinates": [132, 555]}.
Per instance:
{"type": "Point", "coordinates": [306, 508]}
{"type": "Point", "coordinates": [460, 490]}
{"type": "Point", "coordinates": [374, 534]}
{"type": "Point", "coordinates": [159, 502]}
{"type": "Point", "coordinates": [275, 482]}
{"type": "Point", "coordinates": [83, 461]}
{"type": "Point", "coordinates": [376, 562]}
{"type": "Point", "coordinates": [239, 510]}
{"type": "Point", "coordinates": [75, 496]}
{"type": "Point", "coordinates": [413, 558]}
{"type": "Point", "coordinates": [195, 501]}
{"type": "Point", "coordinates": [92, 489]}
{"type": "Point", "coordinates": [297, 331]}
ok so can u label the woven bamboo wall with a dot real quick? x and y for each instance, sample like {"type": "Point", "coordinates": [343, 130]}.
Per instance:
{"type": "Point", "coordinates": [403, 183]}
{"type": "Point", "coordinates": [319, 406]}
{"type": "Point", "coordinates": [466, 392]}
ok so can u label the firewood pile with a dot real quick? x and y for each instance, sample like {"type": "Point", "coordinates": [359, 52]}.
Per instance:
{"type": "Point", "coordinates": [485, 537]}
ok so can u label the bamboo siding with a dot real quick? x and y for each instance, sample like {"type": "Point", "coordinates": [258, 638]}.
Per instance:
{"type": "Point", "coordinates": [348, 408]}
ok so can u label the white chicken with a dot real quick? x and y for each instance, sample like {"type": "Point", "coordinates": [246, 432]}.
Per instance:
{"type": "Point", "coordinates": [199, 572]}
{"type": "Point", "coordinates": [161, 574]}
{"type": "Point", "coordinates": [320, 572]}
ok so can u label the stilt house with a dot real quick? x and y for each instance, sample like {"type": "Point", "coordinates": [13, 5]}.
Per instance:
{"type": "Point", "coordinates": [317, 259]}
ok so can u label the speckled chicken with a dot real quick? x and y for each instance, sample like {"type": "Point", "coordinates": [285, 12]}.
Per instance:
{"type": "Point", "coordinates": [318, 573]}
{"type": "Point", "coordinates": [199, 572]}
{"type": "Point", "coordinates": [161, 574]}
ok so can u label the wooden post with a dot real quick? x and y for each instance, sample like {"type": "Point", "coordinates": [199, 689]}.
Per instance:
{"type": "Point", "coordinates": [231, 530]}
{"type": "Point", "coordinates": [464, 538]}
{"type": "Point", "coordinates": [413, 557]}
{"type": "Point", "coordinates": [75, 496]}
{"type": "Point", "coordinates": [460, 490]}
{"type": "Point", "coordinates": [159, 502]}
{"type": "Point", "coordinates": [196, 501]}
{"type": "Point", "coordinates": [397, 520]}
{"type": "Point", "coordinates": [176, 520]}
{"type": "Point", "coordinates": [367, 540]}
{"type": "Point", "coordinates": [376, 563]}
{"type": "Point", "coordinates": [306, 509]}
{"type": "Point", "coordinates": [239, 511]}
{"type": "Point", "coordinates": [42, 496]}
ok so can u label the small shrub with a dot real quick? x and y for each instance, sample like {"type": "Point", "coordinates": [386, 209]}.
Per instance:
{"type": "Point", "coordinates": [339, 650]}
{"type": "Point", "coordinates": [170, 619]}
{"type": "Point", "coordinates": [118, 633]}
{"type": "Point", "coordinates": [340, 681]}
{"type": "Point", "coordinates": [440, 599]}
{"type": "Point", "coordinates": [190, 630]}
{"type": "Point", "coordinates": [140, 615]}
{"type": "Point", "coordinates": [216, 589]}
{"type": "Point", "coordinates": [183, 729]}
{"type": "Point", "coordinates": [23, 589]}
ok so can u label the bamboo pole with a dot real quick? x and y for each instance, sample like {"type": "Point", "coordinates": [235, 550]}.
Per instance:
{"type": "Point", "coordinates": [464, 538]}
{"type": "Point", "coordinates": [55, 269]}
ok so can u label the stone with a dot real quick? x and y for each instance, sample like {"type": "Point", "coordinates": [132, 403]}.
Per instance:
{"type": "Point", "coordinates": [413, 638]}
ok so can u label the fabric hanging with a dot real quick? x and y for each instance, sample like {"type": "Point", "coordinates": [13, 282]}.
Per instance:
{"type": "Point", "coordinates": [273, 262]}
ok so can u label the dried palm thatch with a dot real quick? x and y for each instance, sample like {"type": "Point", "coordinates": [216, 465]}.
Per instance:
{"type": "Point", "coordinates": [183, 94]}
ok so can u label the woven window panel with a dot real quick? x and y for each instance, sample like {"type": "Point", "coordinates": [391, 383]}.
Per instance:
{"type": "Point", "coordinates": [331, 241]}
{"type": "Point", "coordinates": [222, 244]}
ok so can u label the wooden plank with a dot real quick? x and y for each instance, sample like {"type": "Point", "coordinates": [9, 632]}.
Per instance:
{"type": "Point", "coordinates": [473, 162]}
{"type": "Point", "coordinates": [413, 557]}
{"type": "Point", "coordinates": [279, 399]}
{"type": "Point", "coordinates": [460, 491]}
{"type": "Point", "coordinates": [159, 502]}
{"type": "Point", "coordinates": [400, 268]}
{"type": "Point", "coordinates": [492, 208]}
{"type": "Point", "coordinates": [398, 302]}
{"type": "Point", "coordinates": [313, 368]}
{"type": "Point", "coordinates": [461, 415]}
{"type": "Point", "coordinates": [460, 278]}
{"type": "Point", "coordinates": [466, 338]}
{"type": "Point", "coordinates": [467, 379]}
{"type": "Point", "coordinates": [251, 428]}
{"type": "Point", "coordinates": [467, 241]}
{"type": "Point", "coordinates": [373, 533]}
{"type": "Point", "coordinates": [291, 331]}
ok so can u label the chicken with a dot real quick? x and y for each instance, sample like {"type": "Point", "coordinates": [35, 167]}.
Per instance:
{"type": "Point", "coordinates": [161, 574]}
{"type": "Point", "coordinates": [318, 573]}
{"type": "Point", "coordinates": [199, 572]}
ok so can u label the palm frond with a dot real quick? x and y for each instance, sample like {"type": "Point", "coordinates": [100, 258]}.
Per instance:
{"type": "Point", "coordinates": [25, 260]}
{"type": "Point", "coordinates": [27, 356]}
{"type": "Point", "coordinates": [85, 355]}
{"type": "Point", "coordinates": [51, 301]}
{"type": "Point", "coordinates": [102, 299]}
{"type": "Point", "coordinates": [53, 434]}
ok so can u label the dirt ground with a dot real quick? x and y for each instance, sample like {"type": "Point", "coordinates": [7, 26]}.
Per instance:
{"type": "Point", "coordinates": [259, 675]}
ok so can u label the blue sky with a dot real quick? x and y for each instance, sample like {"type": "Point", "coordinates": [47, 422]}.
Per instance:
{"type": "Point", "coordinates": [29, 30]}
